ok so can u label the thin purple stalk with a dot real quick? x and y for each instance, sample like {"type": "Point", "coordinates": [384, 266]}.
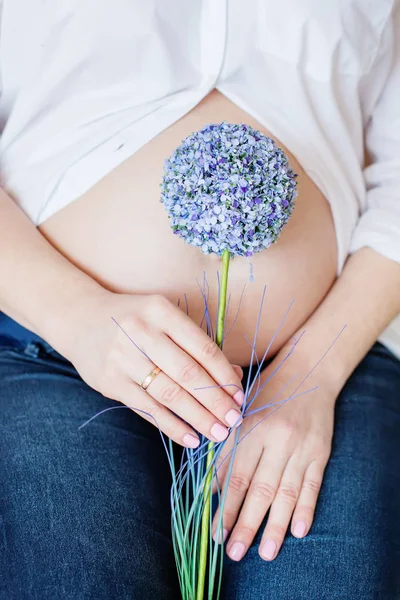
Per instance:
{"type": "Point", "coordinates": [100, 413]}
{"type": "Point", "coordinates": [272, 339]}
{"type": "Point", "coordinates": [268, 405]}
{"type": "Point", "coordinates": [254, 344]}
{"type": "Point", "coordinates": [316, 364]}
{"type": "Point", "coordinates": [251, 412]}
{"type": "Point", "coordinates": [207, 298]}
{"type": "Point", "coordinates": [292, 396]}
{"type": "Point", "coordinates": [226, 312]}
{"type": "Point", "coordinates": [279, 366]}
{"type": "Point", "coordinates": [134, 410]}
{"type": "Point", "coordinates": [134, 343]}
{"type": "Point", "coordinates": [236, 316]}
{"type": "Point", "coordinates": [258, 375]}
{"type": "Point", "coordinates": [206, 313]}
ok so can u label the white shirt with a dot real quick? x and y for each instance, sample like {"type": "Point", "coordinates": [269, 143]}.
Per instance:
{"type": "Point", "coordinates": [85, 83]}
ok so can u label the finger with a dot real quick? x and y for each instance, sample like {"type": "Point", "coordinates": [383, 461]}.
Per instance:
{"type": "Point", "coordinates": [169, 393]}
{"type": "Point", "coordinates": [282, 509]}
{"type": "Point", "coordinates": [303, 515]}
{"type": "Point", "coordinates": [237, 487]}
{"type": "Point", "coordinates": [166, 391]}
{"type": "Point", "coordinates": [260, 495]}
{"type": "Point", "coordinates": [196, 343]}
{"type": "Point", "coordinates": [191, 376]}
{"type": "Point", "coordinates": [238, 370]}
{"type": "Point", "coordinates": [130, 394]}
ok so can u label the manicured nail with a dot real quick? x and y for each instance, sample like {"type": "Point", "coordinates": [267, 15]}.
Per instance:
{"type": "Point", "coordinates": [237, 551]}
{"type": "Point", "coordinates": [233, 417]}
{"type": "Point", "coordinates": [300, 529]}
{"type": "Point", "coordinates": [239, 397]}
{"type": "Point", "coordinates": [191, 440]}
{"type": "Point", "coordinates": [268, 550]}
{"type": "Point", "coordinates": [224, 536]}
{"type": "Point", "coordinates": [219, 432]}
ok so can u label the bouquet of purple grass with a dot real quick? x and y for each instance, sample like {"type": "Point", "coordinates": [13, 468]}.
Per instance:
{"type": "Point", "coordinates": [228, 190]}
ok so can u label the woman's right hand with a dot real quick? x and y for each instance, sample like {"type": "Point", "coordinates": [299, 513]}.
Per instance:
{"type": "Point", "coordinates": [124, 336]}
{"type": "Point", "coordinates": [74, 313]}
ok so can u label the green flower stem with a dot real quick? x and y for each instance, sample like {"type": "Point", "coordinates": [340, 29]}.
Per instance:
{"type": "Point", "coordinates": [219, 338]}
{"type": "Point", "coordinates": [205, 520]}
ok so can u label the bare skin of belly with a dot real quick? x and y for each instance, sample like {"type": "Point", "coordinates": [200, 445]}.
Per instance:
{"type": "Point", "coordinates": [119, 233]}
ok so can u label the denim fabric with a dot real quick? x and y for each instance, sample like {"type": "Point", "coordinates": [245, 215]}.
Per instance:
{"type": "Point", "coordinates": [84, 514]}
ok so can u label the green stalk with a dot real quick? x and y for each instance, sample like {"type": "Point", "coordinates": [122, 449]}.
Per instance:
{"type": "Point", "coordinates": [205, 525]}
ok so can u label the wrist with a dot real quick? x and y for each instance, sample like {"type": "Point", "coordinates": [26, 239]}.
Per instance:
{"type": "Point", "coordinates": [70, 311]}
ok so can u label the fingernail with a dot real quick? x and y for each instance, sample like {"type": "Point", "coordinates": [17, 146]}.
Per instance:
{"type": "Point", "coordinates": [239, 397]}
{"type": "Point", "coordinates": [219, 432]}
{"type": "Point", "coordinates": [191, 440]}
{"type": "Point", "coordinates": [237, 551]}
{"type": "Point", "coordinates": [300, 528]}
{"type": "Point", "coordinates": [268, 550]}
{"type": "Point", "coordinates": [224, 536]}
{"type": "Point", "coordinates": [233, 417]}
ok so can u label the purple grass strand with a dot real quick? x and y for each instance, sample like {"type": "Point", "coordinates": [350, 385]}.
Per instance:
{"type": "Point", "coordinates": [236, 316]}
{"type": "Point", "coordinates": [135, 410]}
{"type": "Point", "coordinates": [254, 342]}
{"type": "Point", "coordinates": [134, 343]}
{"type": "Point", "coordinates": [316, 364]}
{"type": "Point", "coordinates": [276, 369]}
{"type": "Point", "coordinates": [279, 404]}
{"type": "Point", "coordinates": [273, 338]}
{"type": "Point", "coordinates": [100, 413]}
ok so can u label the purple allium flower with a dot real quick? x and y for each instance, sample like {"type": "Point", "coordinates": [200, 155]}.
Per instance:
{"type": "Point", "coordinates": [228, 187]}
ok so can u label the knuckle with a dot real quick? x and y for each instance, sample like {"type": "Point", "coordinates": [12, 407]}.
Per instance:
{"type": "Point", "coordinates": [289, 493]}
{"type": "Point", "coordinates": [263, 491]}
{"type": "Point", "coordinates": [210, 350]}
{"type": "Point", "coordinates": [246, 531]}
{"type": "Point", "coordinates": [313, 485]}
{"type": "Point", "coordinates": [153, 412]}
{"type": "Point", "coordinates": [322, 454]}
{"type": "Point", "coordinates": [230, 517]}
{"type": "Point", "coordinates": [133, 334]}
{"type": "Point", "coordinates": [173, 432]}
{"type": "Point", "coordinates": [107, 378]}
{"type": "Point", "coordinates": [139, 326]}
{"type": "Point", "coordinates": [189, 372]}
{"type": "Point", "coordinates": [304, 512]}
{"type": "Point", "coordinates": [170, 394]}
{"type": "Point", "coordinates": [130, 324]}
{"type": "Point", "coordinates": [320, 448]}
{"type": "Point", "coordinates": [238, 482]}
{"type": "Point", "coordinates": [288, 429]}
{"type": "Point", "coordinates": [278, 529]}
{"type": "Point", "coordinates": [160, 303]}
{"type": "Point", "coordinates": [216, 403]}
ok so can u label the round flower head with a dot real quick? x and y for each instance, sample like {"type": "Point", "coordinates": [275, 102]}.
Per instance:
{"type": "Point", "coordinates": [228, 187]}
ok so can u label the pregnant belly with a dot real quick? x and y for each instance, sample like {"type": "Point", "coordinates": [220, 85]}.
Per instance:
{"type": "Point", "coordinates": [118, 232]}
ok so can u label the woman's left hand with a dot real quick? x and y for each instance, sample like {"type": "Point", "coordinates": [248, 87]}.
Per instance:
{"type": "Point", "coordinates": [280, 464]}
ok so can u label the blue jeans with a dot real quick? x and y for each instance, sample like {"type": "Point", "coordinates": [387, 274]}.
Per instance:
{"type": "Point", "coordinates": [84, 514]}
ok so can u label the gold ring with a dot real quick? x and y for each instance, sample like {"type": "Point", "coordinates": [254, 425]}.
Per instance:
{"type": "Point", "coordinates": [147, 380]}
